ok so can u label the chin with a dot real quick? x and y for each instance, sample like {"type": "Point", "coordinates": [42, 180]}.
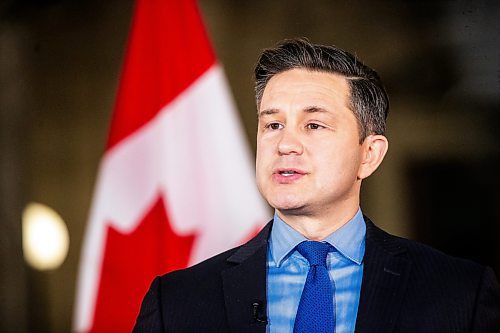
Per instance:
{"type": "Point", "coordinates": [285, 201]}
{"type": "Point", "coordinates": [289, 207]}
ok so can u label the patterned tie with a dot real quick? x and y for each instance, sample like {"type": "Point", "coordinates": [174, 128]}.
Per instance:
{"type": "Point", "coordinates": [316, 307]}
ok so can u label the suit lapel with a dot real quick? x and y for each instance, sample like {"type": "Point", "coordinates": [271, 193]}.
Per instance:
{"type": "Point", "coordinates": [244, 286]}
{"type": "Point", "coordinates": [385, 276]}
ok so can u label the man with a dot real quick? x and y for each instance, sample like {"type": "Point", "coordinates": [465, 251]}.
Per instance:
{"type": "Point", "coordinates": [320, 265]}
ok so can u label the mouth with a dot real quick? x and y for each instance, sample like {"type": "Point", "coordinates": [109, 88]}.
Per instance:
{"type": "Point", "coordinates": [285, 175]}
{"type": "Point", "coordinates": [289, 173]}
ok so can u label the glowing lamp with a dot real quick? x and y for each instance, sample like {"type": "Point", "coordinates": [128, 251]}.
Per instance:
{"type": "Point", "coordinates": [45, 237]}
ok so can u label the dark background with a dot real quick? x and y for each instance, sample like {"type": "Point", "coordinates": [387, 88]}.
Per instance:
{"type": "Point", "coordinates": [59, 67]}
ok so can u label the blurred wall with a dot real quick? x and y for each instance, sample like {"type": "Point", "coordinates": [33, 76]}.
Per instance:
{"type": "Point", "coordinates": [59, 67]}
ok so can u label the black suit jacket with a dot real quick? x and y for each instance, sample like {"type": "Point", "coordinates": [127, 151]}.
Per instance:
{"type": "Point", "coordinates": [406, 287]}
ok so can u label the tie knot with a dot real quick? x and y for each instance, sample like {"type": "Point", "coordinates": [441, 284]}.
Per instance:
{"type": "Point", "coordinates": [314, 252]}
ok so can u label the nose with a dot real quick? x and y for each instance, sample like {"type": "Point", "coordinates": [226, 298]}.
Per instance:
{"type": "Point", "coordinates": [289, 143]}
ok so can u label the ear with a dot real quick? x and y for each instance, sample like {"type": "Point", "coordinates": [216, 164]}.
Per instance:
{"type": "Point", "coordinates": [374, 148]}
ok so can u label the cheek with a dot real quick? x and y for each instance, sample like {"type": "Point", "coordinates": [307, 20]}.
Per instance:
{"type": "Point", "coordinates": [260, 163]}
{"type": "Point", "coordinates": [263, 153]}
{"type": "Point", "coordinates": [258, 159]}
{"type": "Point", "coordinates": [260, 175]}
{"type": "Point", "coordinates": [341, 160]}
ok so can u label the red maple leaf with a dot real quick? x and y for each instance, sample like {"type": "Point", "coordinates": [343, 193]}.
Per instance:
{"type": "Point", "coordinates": [130, 263]}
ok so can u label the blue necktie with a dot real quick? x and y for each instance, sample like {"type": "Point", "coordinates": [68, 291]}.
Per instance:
{"type": "Point", "coordinates": [315, 313]}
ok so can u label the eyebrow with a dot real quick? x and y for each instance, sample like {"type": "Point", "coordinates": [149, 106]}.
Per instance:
{"type": "Point", "coordinates": [315, 109]}
{"type": "Point", "coordinates": [309, 109]}
{"type": "Point", "coordinates": [267, 112]}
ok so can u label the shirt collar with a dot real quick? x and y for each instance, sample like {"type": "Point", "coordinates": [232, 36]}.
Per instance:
{"type": "Point", "coordinates": [348, 240]}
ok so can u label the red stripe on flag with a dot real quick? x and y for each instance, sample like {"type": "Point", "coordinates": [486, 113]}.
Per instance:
{"type": "Point", "coordinates": [168, 50]}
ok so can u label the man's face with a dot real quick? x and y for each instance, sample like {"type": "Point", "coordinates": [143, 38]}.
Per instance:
{"type": "Point", "coordinates": [308, 150]}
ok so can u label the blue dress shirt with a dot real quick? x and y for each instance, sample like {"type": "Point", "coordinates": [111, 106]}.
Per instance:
{"type": "Point", "coordinates": [287, 272]}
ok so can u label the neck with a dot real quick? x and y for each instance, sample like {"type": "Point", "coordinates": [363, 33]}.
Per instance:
{"type": "Point", "coordinates": [318, 227]}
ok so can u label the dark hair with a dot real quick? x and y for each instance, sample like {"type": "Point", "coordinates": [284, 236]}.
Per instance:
{"type": "Point", "coordinates": [369, 101]}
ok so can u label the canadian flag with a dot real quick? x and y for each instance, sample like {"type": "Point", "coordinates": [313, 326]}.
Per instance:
{"type": "Point", "coordinates": [176, 183]}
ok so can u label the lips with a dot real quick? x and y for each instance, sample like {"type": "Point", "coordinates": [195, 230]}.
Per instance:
{"type": "Point", "coordinates": [288, 172]}
{"type": "Point", "coordinates": [288, 175]}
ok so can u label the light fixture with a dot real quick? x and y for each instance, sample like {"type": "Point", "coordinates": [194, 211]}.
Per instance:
{"type": "Point", "coordinates": [45, 237]}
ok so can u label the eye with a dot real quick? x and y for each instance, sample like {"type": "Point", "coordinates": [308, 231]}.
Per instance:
{"type": "Point", "coordinates": [314, 126]}
{"type": "Point", "coordinates": [274, 126]}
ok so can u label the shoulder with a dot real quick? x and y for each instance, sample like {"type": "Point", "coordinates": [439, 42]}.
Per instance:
{"type": "Point", "coordinates": [430, 270]}
{"type": "Point", "coordinates": [198, 290]}
{"type": "Point", "coordinates": [422, 256]}
{"type": "Point", "coordinates": [434, 283]}
{"type": "Point", "coordinates": [192, 292]}
{"type": "Point", "coordinates": [208, 272]}
{"type": "Point", "coordinates": [199, 276]}
{"type": "Point", "coordinates": [213, 264]}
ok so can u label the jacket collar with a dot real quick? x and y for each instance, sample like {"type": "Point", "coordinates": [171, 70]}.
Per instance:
{"type": "Point", "coordinates": [244, 285]}
{"type": "Point", "coordinates": [385, 278]}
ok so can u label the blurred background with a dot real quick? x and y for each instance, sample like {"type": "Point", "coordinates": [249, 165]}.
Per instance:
{"type": "Point", "coordinates": [60, 62]}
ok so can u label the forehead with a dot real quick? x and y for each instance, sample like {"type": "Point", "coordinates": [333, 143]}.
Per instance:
{"type": "Point", "coordinates": [303, 86]}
